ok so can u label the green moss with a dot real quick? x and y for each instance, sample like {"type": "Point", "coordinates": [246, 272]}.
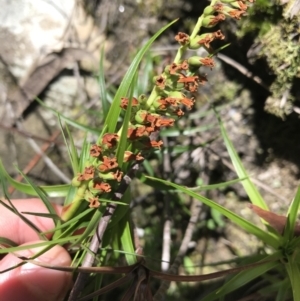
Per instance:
{"type": "Point", "coordinates": [278, 38]}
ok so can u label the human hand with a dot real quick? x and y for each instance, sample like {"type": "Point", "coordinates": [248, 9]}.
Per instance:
{"type": "Point", "coordinates": [30, 282]}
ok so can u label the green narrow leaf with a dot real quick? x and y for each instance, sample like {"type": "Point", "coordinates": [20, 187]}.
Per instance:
{"type": "Point", "coordinates": [102, 85]}
{"type": "Point", "coordinates": [50, 191]}
{"type": "Point", "coordinates": [266, 237]}
{"type": "Point", "coordinates": [239, 280]}
{"type": "Point", "coordinates": [13, 209]}
{"type": "Point", "coordinates": [146, 78]}
{"type": "Point", "coordinates": [7, 243]}
{"type": "Point", "coordinates": [288, 233]}
{"type": "Point", "coordinates": [161, 186]}
{"type": "Point", "coordinates": [43, 197]}
{"type": "Point", "coordinates": [114, 112]}
{"type": "Point", "coordinates": [123, 143]}
{"type": "Point", "coordinates": [47, 215]}
{"type": "Point", "coordinates": [70, 222]}
{"type": "Point", "coordinates": [126, 239]}
{"type": "Point", "coordinates": [46, 243]}
{"type": "Point", "coordinates": [249, 187]}
{"type": "Point", "coordinates": [70, 121]}
{"type": "Point", "coordinates": [90, 227]}
{"type": "Point", "coordinates": [148, 167]}
{"type": "Point", "coordinates": [72, 151]}
{"type": "Point", "coordinates": [294, 274]}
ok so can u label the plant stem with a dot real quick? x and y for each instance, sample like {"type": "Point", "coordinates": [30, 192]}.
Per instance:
{"type": "Point", "coordinates": [98, 236]}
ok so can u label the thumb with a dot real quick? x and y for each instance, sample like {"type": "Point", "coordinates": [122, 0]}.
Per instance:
{"type": "Point", "coordinates": [30, 282]}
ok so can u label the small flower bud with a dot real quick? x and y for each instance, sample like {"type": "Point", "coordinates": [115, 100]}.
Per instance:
{"type": "Point", "coordinates": [75, 182]}
{"type": "Point", "coordinates": [141, 116]}
{"type": "Point", "coordinates": [209, 10]}
{"type": "Point", "coordinates": [197, 61]}
{"type": "Point", "coordinates": [194, 43]}
{"type": "Point", "coordinates": [167, 70]}
{"type": "Point", "coordinates": [175, 94]}
{"type": "Point", "coordinates": [142, 99]}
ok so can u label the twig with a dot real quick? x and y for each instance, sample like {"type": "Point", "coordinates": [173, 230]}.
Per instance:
{"type": "Point", "coordinates": [242, 69]}
{"type": "Point", "coordinates": [97, 237]}
{"type": "Point", "coordinates": [26, 134]}
{"type": "Point", "coordinates": [196, 209]}
{"type": "Point", "coordinates": [46, 159]}
{"type": "Point", "coordinates": [166, 247]}
{"type": "Point", "coordinates": [35, 159]}
{"type": "Point", "coordinates": [255, 181]}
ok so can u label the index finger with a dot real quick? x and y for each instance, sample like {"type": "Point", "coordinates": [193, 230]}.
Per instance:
{"type": "Point", "coordinates": [15, 229]}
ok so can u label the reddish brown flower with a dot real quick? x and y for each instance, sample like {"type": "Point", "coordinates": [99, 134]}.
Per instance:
{"type": "Point", "coordinates": [98, 184]}
{"type": "Point", "coordinates": [236, 14]}
{"type": "Point", "coordinates": [165, 122]}
{"type": "Point", "coordinates": [160, 82]}
{"type": "Point", "coordinates": [188, 102]}
{"type": "Point", "coordinates": [184, 65]}
{"type": "Point", "coordinates": [206, 40]}
{"type": "Point", "coordinates": [179, 112]}
{"type": "Point", "coordinates": [139, 157]}
{"type": "Point", "coordinates": [182, 38]}
{"type": "Point", "coordinates": [125, 101]}
{"type": "Point", "coordinates": [207, 61]}
{"type": "Point", "coordinates": [191, 83]}
{"type": "Point", "coordinates": [131, 133]}
{"type": "Point", "coordinates": [129, 156]}
{"type": "Point", "coordinates": [217, 19]}
{"type": "Point", "coordinates": [173, 68]}
{"type": "Point", "coordinates": [110, 140]}
{"type": "Point", "coordinates": [152, 119]}
{"type": "Point", "coordinates": [218, 35]}
{"type": "Point", "coordinates": [142, 131]}
{"type": "Point", "coordinates": [161, 104]}
{"type": "Point", "coordinates": [94, 202]}
{"type": "Point", "coordinates": [242, 5]}
{"type": "Point", "coordinates": [118, 175]}
{"type": "Point", "coordinates": [187, 79]}
{"type": "Point", "coordinates": [80, 177]}
{"type": "Point", "coordinates": [172, 101]}
{"type": "Point", "coordinates": [156, 144]}
{"type": "Point", "coordinates": [218, 7]}
{"type": "Point", "coordinates": [95, 150]}
{"type": "Point", "coordinates": [87, 174]}
{"type": "Point", "coordinates": [108, 164]}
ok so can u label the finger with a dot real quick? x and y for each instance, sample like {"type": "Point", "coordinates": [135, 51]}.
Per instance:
{"type": "Point", "coordinates": [30, 282]}
{"type": "Point", "coordinates": [15, 229]}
